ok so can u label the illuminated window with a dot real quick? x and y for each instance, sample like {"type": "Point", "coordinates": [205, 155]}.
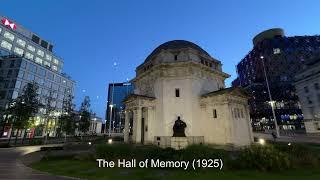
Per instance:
{"type": "Point", "coordinates": [276, 51]}
{"type": "Point", "coordinates": [48, 57]}
{"type": "Point", "coordinates": [21, 42]}
{"type": "Point", "coordinates": [31, 48]}
{"type": "Point", "coordinates": [0, 30]}
{"type": "Point", "coordinates": [18, 51]}
{"type": "Point", "coordinates": [8, 35]}
{"type": "Point", "coordinates": [40, 53]}
{"type": "Point", "coordinates": [45, 63]}
{"type": "Point", "coordinates": [38, 60]}
{"type": "Point", "coordinates": [29, 56]}
{"type": "Point", "coordinates": [6, 45]}
{"type": "Point", "coordinates": [55, 61]}
{"type": "Point", "coordinates": [54, 68]}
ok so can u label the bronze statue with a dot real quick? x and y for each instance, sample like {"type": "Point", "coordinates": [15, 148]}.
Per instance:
{"type": "Point", "coordinates": [178, 128]}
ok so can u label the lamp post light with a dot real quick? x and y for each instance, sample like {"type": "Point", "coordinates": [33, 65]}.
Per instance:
{"type": "Point", "coordinates": [270, 98]}
{"type": "Point", "coordinates": [111, 103]}
{"type": "Point", "coordinates": [111, 106]}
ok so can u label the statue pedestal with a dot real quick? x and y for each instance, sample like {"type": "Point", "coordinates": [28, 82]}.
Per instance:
{"type": "Point", "coordinates": [179, 142]}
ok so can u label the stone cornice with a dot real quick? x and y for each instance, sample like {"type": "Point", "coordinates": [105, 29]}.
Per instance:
{"type": "Point", "coordinates": [172, 70]}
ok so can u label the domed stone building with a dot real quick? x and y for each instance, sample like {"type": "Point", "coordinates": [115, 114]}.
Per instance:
{"type": "Point", "coordinates": [180, 83]}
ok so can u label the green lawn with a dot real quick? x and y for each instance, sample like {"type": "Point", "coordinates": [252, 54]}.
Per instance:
{"type": "Point", "coordinates": [89, 170]}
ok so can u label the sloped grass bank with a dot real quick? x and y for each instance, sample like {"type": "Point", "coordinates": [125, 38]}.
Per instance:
{"type": "Point", "coordinates": [263, 162]}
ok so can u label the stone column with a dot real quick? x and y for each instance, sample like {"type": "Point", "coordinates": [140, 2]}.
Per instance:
{"type": "Point", "coordinates": [137, 125]}
{"type": "Point", "coordinates": [126, 126]}
{"type": "Point", "coordinates": [149, 121]}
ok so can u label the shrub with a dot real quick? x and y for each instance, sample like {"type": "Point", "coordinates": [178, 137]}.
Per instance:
{"type": "Point", "coordinates": [114, 151]}
{"type": "Point", "coordinates": [301, 155]}
{"type": "Point", "coordinates": [264, 158]}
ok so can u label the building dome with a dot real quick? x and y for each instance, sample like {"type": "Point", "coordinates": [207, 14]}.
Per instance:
{"type": "Point", "coordinates": [175, 45]}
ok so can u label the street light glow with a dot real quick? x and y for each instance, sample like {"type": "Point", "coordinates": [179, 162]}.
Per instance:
{"type": "Point", "coordinates": [262, 141]}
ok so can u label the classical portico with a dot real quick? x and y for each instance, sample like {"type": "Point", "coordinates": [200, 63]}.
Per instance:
{"type": "Point", "coordinates": [139, 115]}
{"type": "Point", "coordinates": [181, 81]}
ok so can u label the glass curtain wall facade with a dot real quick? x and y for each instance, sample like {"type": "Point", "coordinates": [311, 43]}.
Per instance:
{"type": "Point", "coordinates": [117, 92]}
{"type": "Point", "coordinates": [283, 57]}
{"type": "Point", "coordinates": [27, 58]}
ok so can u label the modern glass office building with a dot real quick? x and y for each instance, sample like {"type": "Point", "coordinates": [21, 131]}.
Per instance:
{"type": "Point", "coordinates": [283, 56]}
{"type": "Point", "coordinates": [25, 58]}
{"type": "Point", "coordinates": [117, 92]}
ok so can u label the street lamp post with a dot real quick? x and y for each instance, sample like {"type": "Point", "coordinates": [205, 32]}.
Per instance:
{"type": "Point", "coordinates": [270, 98]}
{"type": "Point", "coordinates": [111, 105]}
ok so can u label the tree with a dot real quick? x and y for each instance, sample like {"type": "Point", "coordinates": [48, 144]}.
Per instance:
{"type": "Point", "coordinates": [23, 108]}
{"type": "Point", "coordinates": [49, 110]}
{"type": "Point", "coordinates": [67, 118]}
{"type": "Point", "coordinates": [85, 116]}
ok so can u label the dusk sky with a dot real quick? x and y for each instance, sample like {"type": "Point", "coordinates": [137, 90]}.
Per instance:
{"type": "Point", "coordinates": [91, 35]}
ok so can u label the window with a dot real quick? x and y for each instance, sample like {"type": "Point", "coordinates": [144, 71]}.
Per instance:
{"type": "Point", "coordinates": [6, 45]}
{"type": "Point", "coordinates": [276, 51]}
{"type": "Point", "coordinates": [18, 51]}
{"type": "Point", "coordinates": [29, 56]}
{"type": "Point", "coordinates": [40, 53]}
{"type": "Point", "coordinates": [177, 92]}
{"type": "Point", "coordinates": [35, 39]}
{"type": "Point", "coordinates": [47, 64]}
{"type": "Point", "coordinates": [47, 84]}
{"type": "Point", "coordinates": [54, 68]}
{"type": "Point", "coordinates": [50, 48]}
{"type": "Point", "coordinates": [14, 94]}
{"type": "Point", "coordinates": [9, 73]}
{"type": "Point", "coordinates": [38, 60]}
{"type": "Point", "coordinates": [61, 89]}
{"type": "Point", "coordinates": [12, 63]}
{"type": "Point", "coordinates": [57, 79]}
{"type": "Point", "coordinates": [214, 113]}
{"type": "Point", "coordinates": [31, 48]}
{"type": "Point", "coordinates": [55, 87]}
{"type": "Point", "coordinates": [20, 75]}
{"type": "Point", "coordinates": [21, 42]}
{"type": "Point", "coordinates": [8, 36]}
{"type": "Point", "coordinates": [18, 84]}
{"type": "Point", "coordinates": [48, 57]}
{"type": "Point", "coordinates": [30, 77]}
{"type": "Point", "coordinates": [241, 112]}
{"type": "Point", "coordinates": [316, 86]}
{"type": "Point", "coordinates": [55, 61]}
{"type": "Point", "coordinates": [41, 72]}
{"type": "Point", "coordinates": [306, 89]}
{"type": "Point", "coordinates": [32, 68]}
{"type": "Point", "coordinates": [44, 44]}
{"type": "Point", "coordinates": [23, 64]}
{"type": "Point", "coordinates": [50, 76]}
{"type": "Point", "coordinates": [175, 57]}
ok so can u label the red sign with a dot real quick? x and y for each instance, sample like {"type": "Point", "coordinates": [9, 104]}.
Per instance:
{"type": "Point", "coordinates": [8, 23]}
